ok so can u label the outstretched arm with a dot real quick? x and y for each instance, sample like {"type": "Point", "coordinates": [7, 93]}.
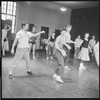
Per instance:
{"type": "Point", "coordinates": [72, 41]}
{"type": "Point", "coordinates": [67, 46]}
{"type": "Point", "coordinates": [37, 34]}
{"type": "Point", "coordinates": [38, 38]}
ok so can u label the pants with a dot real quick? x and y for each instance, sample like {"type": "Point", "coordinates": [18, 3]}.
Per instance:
{"type": "Point", "coordinates": [21, 53]}
{"type": "Point", "coordinates": [91, 54]}
{"type": "Point", "coordinates": [68, 54]}
{"type": "Point", "coordinates": [60, 60]}
{"type": "Point", "coordinates": [77, 50]}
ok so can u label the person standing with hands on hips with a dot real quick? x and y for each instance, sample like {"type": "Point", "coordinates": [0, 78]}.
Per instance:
{"type": "Point", "coordinates": [92, 43]}
{"type": "Point", "coordinates": [22, 37]}
{"type": "Point", "coordinates": [5, 45]}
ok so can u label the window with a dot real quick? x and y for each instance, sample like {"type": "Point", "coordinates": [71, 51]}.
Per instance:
{"type": "Point", "coordinates": [9, 12]}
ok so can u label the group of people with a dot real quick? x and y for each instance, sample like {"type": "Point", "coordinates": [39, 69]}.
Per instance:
{"type": "Point", "coordinates": [92, 47]}
{"type": "Point", "coordinates": [59, 47]}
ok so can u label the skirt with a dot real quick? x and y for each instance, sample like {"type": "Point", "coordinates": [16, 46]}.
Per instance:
{"type": "Point", "coordinates": [84, 54]}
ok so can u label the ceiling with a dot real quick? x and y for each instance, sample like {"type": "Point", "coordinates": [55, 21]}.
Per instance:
{"type": "Point", "coordinates": [55, 5]}
{"type": "Point", "coordinates": [77, 4]}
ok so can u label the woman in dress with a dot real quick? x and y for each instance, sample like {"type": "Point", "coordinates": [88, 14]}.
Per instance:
{"type": "Point", "coordinates": [84, 53]}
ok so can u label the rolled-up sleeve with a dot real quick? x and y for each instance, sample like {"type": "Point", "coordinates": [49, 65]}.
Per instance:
{"type": "Point", "coordinates": [18, 34]}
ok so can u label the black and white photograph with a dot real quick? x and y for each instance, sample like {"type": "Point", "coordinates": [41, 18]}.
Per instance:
{"type": "Point", "coordinates": [49, 49]}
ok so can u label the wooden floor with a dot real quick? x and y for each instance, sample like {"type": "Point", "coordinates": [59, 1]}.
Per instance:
{"type": "Point", "coordinates": [77, 84]}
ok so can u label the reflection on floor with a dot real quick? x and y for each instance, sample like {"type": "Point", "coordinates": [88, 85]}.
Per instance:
{"type": "Point", "coordinates": [77, 84]}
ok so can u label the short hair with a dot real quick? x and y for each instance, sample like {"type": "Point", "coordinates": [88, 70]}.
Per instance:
{"type": "Point", "coordinates": [78, 35]}
{"type": "Point", "coordinates": [93, 35]}
{"type": "Point", "coordinates": [69, 26]}
{"type": "Point", "coordinates": [62, 29]}
{"type": "Point", "coordinates": [87, 33]}
{"type": "Point", "coordinates": [34, 26]}
{"type": "Point", "coordinates": [23, 24]}
{"type": "Point", "coordinates": [53, 32]}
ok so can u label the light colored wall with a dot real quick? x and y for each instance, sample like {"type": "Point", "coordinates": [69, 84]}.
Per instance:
{"type": "Point", "coordinates": [40, 16]}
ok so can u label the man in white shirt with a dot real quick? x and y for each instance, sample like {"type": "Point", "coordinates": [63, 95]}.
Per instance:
{"type": "Point", "coordinates": [77, 45]}
{"type": "Point", "coordinates": [22, 37]}
{"type": "Point", "coordinates": [92, 43]}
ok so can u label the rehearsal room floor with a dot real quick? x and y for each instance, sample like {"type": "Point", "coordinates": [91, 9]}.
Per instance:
{"type": "Point", "coordinates": [77, 84]}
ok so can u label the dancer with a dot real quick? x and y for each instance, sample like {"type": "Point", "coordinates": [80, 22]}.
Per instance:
{"type": "Point", "coordinates": [68, 42]}
{"type": "Point", "coordinates": [77, 45]}
{"type": "Point", "coordinates": [60, 54]}
{"type": "Point", "coordinates": [22, 37]}
{"type": "Point", "coordinates": [33, 41]}
{"type": "Point", "coordinates": [92, 43]}
{"type": "Point", "coordinates": [84, 53]}
{"type": "Point", "coordinates": [96, 52]}
{"type": "Point", "coordinates": [5, 43]}
{"type": "Point", "coordinates": [50, 46]}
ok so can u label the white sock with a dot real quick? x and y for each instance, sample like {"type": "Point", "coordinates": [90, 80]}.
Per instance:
{"type": "Point", "coordinates": [81, 64]}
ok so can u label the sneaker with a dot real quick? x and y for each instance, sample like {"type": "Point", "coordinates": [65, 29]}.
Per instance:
{"type": "Point", "coordinates": [82, 68]}
{"type": "Point", "coordinates": [34, 58]}
{"type": "Point", "coordinates": [58, 79]}
{"type": "Point", "coordinates": [51, 58]}
{"type": "Point", "coordinates": [67, 68]}
{"type": "Point", "coordinates": [29, 72]}
{"type": "Point", "coordinates": [55, 75]}
{"type": "Point", "coordinates": [10, 76]}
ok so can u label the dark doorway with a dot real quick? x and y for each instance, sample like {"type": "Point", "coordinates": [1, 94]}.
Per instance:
{"type": "Point", "coordinates": [46, 29]}
{"type": "Point", "coordinates": [57, 33]}
{"type": "Point", "coordinates": [42, 37]}
{"type": "Point", "coordinates": [30, 27]}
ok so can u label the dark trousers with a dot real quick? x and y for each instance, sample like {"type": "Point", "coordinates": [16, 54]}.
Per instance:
{"type": "Point", "coordinates": [68, 54]}
{"type": "Point", "coordinates": [91, 54]}
{"type": "Point", "coordinates": [60, 59]}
